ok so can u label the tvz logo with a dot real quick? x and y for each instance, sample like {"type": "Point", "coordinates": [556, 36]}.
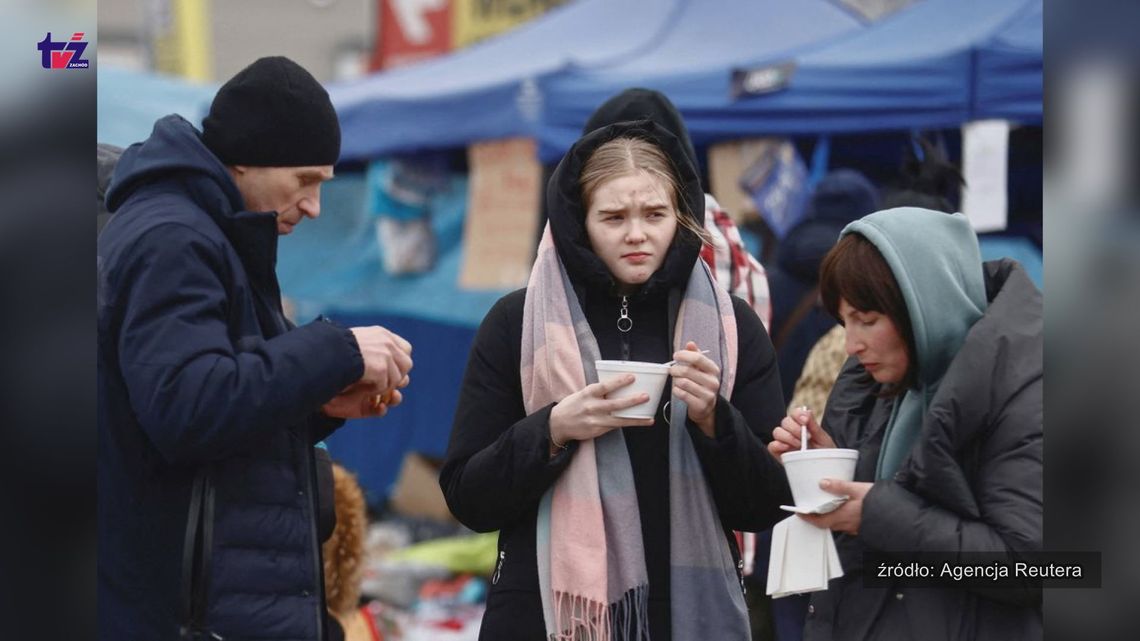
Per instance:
{"type": "Point", "coordinates": [63, 55]}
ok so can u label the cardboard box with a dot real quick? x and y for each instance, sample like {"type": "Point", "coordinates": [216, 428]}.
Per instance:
{"type": "Point", "coordinates": [503, 206]}
{"type": "Point", "coordinates": [727, 163]}
{"type": "Point", "coordinates": [417, 492]}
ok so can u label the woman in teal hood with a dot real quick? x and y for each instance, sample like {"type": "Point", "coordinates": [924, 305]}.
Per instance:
{"type": "Point", "coordinates": [942, 398]}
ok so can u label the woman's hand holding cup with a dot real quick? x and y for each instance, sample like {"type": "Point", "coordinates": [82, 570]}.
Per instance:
{"type": "Point", "coordinates": [587, 413]}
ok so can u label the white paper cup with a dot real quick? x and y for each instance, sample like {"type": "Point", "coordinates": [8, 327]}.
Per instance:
{"type": "Point", "coordinates": [650, 379]}
{"type": "Point", "coordinates": [806, 468]}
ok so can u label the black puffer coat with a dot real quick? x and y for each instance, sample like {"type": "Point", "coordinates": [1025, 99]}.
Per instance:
{"type": "Point", "coordinates": [208, 409]}
{"type": "Point", "coordinates": [972, 483]}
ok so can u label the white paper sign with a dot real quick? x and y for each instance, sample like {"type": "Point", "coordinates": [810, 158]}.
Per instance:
{"type": "Point", "coordinates": [985, 155]}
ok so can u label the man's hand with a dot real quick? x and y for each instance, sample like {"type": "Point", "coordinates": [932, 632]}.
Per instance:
{"type": "Point", "coordinates": [363, 400]}
{"type": "Point", "coordinates": [387, 356]}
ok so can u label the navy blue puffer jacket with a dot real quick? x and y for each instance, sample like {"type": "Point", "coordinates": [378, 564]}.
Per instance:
{"type": "Point", "coordinates": [208, 408]}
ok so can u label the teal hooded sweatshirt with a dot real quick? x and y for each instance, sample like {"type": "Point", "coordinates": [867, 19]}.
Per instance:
{"type": "Point", "coordinates": [936, 261]}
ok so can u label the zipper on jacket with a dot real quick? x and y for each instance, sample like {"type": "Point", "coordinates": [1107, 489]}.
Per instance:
{"type": "Point", "coordinates": [624, 324]}
{"type": "Point", "coordinates": [499, 567]}
{"type": "Point", "coordinates": [740, 575]}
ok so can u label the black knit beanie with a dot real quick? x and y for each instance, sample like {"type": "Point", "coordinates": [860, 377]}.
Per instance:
{"type": "Point", "coordinates": [273, 113]}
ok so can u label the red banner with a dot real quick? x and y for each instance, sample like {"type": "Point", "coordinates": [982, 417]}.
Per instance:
{"type": "Point", "coordinates": [409, 31]}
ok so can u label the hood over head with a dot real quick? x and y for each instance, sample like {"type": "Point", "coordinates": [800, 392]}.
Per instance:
{"type": "Point", "coordinates": [175, 148]}
{"type": "Point", "coordinates": [106, 157]}
{"type": "Point", "coordinates": [643, 104]}
{"type": "Point", "coordinates": [842, 196]}
{"type": "Point", "coordinates": [938, 266]}
{"type": "Point", "coordinates": [567, 211]}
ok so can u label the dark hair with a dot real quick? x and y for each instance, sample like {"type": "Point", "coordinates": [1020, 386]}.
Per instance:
{"type": "Point", "coordinates": [911, 198]}
{"type": "Point", "coordinates": [855, 271]}
{"type": "Point", "coordinates": [928, 179]}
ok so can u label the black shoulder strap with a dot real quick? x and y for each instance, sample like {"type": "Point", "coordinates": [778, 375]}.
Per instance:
{"type": "Point", "coordinates": [326, 494]}
{"type": "Point", "coordinates": [205, 558]}
{"type": "Point", "coordinates": [195, 552]}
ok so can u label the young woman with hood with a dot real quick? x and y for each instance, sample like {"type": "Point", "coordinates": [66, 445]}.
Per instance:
{"type": "Point", "coordinates": [943, 401]}
{"type": "Point", "coordinates": [617, 528]}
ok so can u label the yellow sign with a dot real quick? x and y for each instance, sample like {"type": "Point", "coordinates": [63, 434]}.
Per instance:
{"type": "Point", "coordinates": [180, 37]}
{"type": "Point", "coordinates": [474, 20]}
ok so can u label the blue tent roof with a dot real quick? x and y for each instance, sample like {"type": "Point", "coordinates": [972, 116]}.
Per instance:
{"type": "Point", "coordinates": [1009, 69]}
{"type": "Point", "coordinates": [129, 102]}
{"type": "Point", "coordinates": [935, 64]}
{"type": "Point", "coordinates": [917, 68]}
{"type": "Point", "coordinates": [491, 89]}
{"type": "Point", "coordinates": [692, 63]}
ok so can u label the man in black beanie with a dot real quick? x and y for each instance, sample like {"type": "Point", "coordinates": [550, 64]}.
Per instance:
{"type": "Point", "coordinates": [210, 502]}
{"type": "Point", "coordinates": [273, 126]}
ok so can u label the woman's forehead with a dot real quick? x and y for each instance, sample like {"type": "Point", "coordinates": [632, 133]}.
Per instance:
{"type": "Point", "coordinates": [640, 187]}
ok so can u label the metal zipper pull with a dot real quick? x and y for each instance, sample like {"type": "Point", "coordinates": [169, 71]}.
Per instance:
{"type": "Point", "coordinates": [499, 567]}
{"type": "Point", "coordinates": [624, 323]}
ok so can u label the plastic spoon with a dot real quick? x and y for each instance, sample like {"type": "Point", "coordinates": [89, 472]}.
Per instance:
{"type": "Point", "coordinates": [803, 431]}
{"type": "Point", "coordinates": [674, 361]}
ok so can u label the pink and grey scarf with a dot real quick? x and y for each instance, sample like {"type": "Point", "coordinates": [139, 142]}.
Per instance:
{"type": "Point", "coordinates": [591, 562]}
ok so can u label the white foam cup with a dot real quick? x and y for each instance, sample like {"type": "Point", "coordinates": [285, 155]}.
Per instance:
{"type": "Point", "coordinates": [649, 379]}
{"type": "Point", "coordinates": [806, 468]}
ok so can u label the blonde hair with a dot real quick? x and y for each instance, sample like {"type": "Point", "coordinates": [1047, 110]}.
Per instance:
{"type": "Point", "coordinates": [624, 156]}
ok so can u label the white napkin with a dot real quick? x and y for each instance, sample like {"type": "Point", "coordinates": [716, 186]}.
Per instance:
{"type": "Point", "coordinates": [803, 558]}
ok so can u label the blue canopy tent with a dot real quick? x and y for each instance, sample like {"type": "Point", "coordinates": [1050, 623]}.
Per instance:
{"type": "Point", "coordinates": [546, 77]}
{"type": "Point", "coordinates": [692, 64]}
{"type": "Point", "coordinates": [1008, 77]}
{"type": "Point", "coordinates": [491, 89]}
{"type": "Point", "coordinates": [517, 84]}
{"type": "Point", "coordinates": [933, 65]}
{"type": "Point", "coordinates": [129, 102]}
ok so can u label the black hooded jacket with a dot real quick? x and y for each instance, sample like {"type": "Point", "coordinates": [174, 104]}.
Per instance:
{"type": "Point", "coordinates": [971, 483]}
{"type": "Point", "coordinates": [208, 409]}
{"type": "Point", "coordinates": [498, 463]}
